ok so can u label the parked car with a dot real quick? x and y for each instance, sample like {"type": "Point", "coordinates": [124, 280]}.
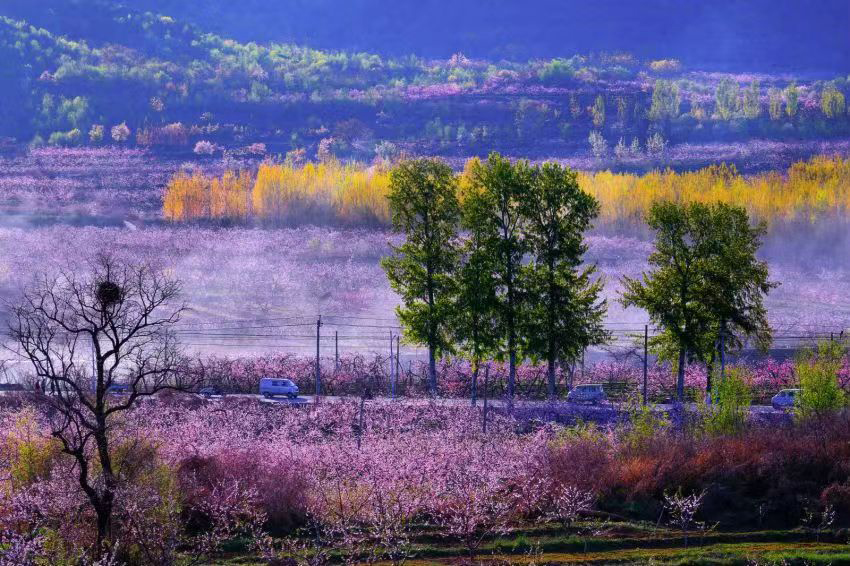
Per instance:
{"type": "Point", "coordinates": [591, 393]}
{"type": "Point", "coordinates": [269, 387]}
{"type": "Point", "coordinates": [785, 399]}
{"type": "Point", "coordinates": [210, 391]}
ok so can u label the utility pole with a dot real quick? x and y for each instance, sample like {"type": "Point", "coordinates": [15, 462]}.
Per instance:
{"type": "Point", "coordinates": [722, 354]}
{"type": "Point", "coordinates": [645, 358]}
{"type": "Point", "coordinates": [336, 350]}
{"type": "Point", "coordinates": [318, 364]}
{"type": "Point", "coordinates": [486, 384]}
{"type": "Point", "coordinates": [392, 367]}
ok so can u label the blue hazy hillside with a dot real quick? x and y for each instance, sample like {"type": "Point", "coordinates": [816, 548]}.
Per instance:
{"type": "Point", "coordinates": [729, 35]}
{"type": "Point", "coordinates": [632, 84]}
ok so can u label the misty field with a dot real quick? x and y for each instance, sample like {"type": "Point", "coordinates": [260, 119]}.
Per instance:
{"type": "Point", "coordinates": [232, 274]}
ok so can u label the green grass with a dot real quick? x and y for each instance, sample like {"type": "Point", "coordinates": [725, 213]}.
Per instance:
{"type": "Point", "coordinates": [627, 543]}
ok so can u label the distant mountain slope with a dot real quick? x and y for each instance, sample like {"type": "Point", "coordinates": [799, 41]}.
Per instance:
{"type": "Point", "coordinates": [730, 35]}
{"type": "Point", "coordinates": [79, 72]}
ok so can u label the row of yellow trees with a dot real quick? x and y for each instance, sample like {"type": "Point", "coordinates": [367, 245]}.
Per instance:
{"type": "Point", "coordinates": [349, 194]}
{"type": "Point", "coordinates": [282, 194]}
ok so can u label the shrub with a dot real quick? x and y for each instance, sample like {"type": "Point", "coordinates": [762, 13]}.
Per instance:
{"type": "Point", "coordinates": [204, 147]}
{"type": "Point", "coordinates": [644, 424]}
{"type": "Point", "coordinates": [598, 145]}
{"type": "Point", "coordinates": [817, 373]}
{"type": "Point", "coordinates": [96, 133]}
{"type": "Point", "coordinates": [65, 139]}
{"type": "Point", "coordinates": [120, 133]}
{"type": "Point", "coordinates": [665, 66]}
{"type": "Point", "coordinates": [656, 144]}
{"type": "Point", "coordinates": [732, 398]}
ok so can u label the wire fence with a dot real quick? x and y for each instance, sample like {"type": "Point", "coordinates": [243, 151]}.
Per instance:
{"type": "Point", "coordinates": [361, 353]}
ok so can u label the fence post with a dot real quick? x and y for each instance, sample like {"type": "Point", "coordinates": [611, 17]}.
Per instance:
{"type": "Point", "coordinates": [397, 357]}
{"type": "Point", "coordinates": [318, 364]}
{"type": "Point", "coordinates": [645, 358]}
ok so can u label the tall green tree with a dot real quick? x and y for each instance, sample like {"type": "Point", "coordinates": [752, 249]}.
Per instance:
{"type": "Point", "coordinates": [474, 320]}
{"type": "Point", "coordinates": [563, 313]}
{"type": "Point", "coordinates": [503, 186]}
{"type": "Point", "coordinates": [706, 283]}
{"type": "Point", "coordinates": [424, 206]}
{"type": "Point", "coordinates": [735, 281]}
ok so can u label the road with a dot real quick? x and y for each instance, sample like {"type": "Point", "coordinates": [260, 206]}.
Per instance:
{"type": "Point", "coordinates": [537, 408]}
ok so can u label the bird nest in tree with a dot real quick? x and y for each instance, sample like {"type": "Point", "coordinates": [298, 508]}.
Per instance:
{"type": "Point", "coordinates": [108, 293]}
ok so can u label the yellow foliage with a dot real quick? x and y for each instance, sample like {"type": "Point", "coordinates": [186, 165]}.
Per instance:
{"type": "Point", "coordinates": [280, 193]}
{"type": "Point", "coordinates": [810, 190]}
{"type": "Point", "coordinates": [348, 194]}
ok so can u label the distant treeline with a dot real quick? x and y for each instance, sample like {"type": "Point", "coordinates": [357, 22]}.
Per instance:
{"type": "Point", "coordinates": [146, 79]}
{"type": "Point", "coordinates": [335, 193]}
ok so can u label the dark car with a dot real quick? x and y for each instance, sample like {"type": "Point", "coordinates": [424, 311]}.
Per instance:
{"type": "Point", "coordinates": [210, 391]}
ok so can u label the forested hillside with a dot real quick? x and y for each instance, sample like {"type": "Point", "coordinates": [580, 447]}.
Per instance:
{"type": "Point", "coordinates": [91, 72]}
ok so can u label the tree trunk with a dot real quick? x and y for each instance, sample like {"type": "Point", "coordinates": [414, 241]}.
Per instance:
{"type": "Point", "coordinates": [474, 383]}
{"type": "Point", "coordinates": [709, 372]}
{"type": "Point", "coordinates": [104, 527]}
{"type": "Point", "coordinates": [680, 381]}
{"type": "Point", "coordinates": [106, 500]}
{"type": "Point", "coordinates": [432, 371]}
{"type": "Point", "coordinates": [551, 377]}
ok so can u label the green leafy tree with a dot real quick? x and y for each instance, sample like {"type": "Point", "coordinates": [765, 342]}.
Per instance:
{"type": "Point", "coordinates": [706, 282]}
{"type": "Point", "coordinates": [792, 100]}
{"type": "Point", "coordinates": [474, 319]}
{"type": "Point", "coordinates": [504, 186]}
{"type": "Point", "coordinates": [670, 293]}
{"type": "Point", "coordinates": [727, 99]}
{"type": "Point", "coordinates": [817, 374]}
{"type": "Point", "coordinates": [423, 201]}
{"type": "Point", "coordinates": [832, 102]}
{"type": "Point", "coordinates": [564, 313]}
{"type": "Point", "coordinates": [735, 281]}
{"type": "Point", "coordinates": [665, 101]}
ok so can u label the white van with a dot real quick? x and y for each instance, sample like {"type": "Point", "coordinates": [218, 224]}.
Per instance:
{"type": "Point", "coordinates": [271, 386]}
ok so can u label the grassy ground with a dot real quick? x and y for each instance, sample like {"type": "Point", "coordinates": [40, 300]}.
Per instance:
{"type": "Point", "coordinates": [629, 543]}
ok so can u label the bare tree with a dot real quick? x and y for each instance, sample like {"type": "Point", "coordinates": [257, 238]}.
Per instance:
{"type": "Point", "coordinates": [98, 342]}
